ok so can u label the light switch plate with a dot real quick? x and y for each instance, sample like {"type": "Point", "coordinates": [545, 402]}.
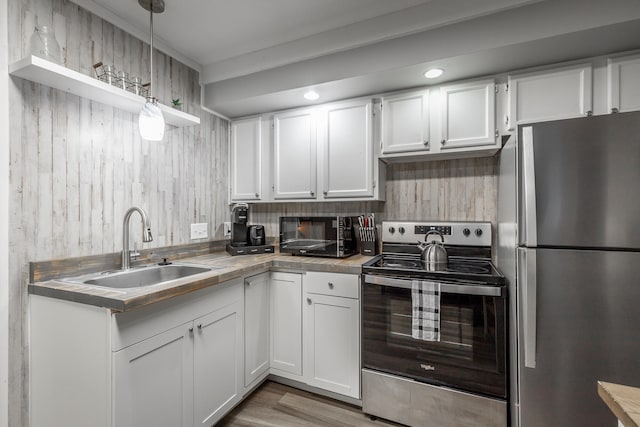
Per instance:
{"type": "Point", "coordinates": [226, 229]}
{"type": "Point", "coordinates": [199, 231]}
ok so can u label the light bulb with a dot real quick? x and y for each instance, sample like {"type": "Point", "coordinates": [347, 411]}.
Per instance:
{"type": "Point", "coordinates": [312, 95]}
{"type": "Point", "coordinates": [433, 73]}
{"type": "Point", "coordinates": [151, 121]}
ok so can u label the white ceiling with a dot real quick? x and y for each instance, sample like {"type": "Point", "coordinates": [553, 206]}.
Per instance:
{"type": "Point", "coordinates": [259, 55]}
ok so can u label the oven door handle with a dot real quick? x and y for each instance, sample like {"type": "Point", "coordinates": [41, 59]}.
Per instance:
{"type": "Point", "coordinates": [445, 287]}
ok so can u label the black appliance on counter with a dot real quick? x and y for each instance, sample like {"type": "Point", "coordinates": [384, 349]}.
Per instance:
{"type": "Point", "coordinates": [326, 236]}
{"type": "Point", "coordinates": [459, 376]}
{"type": "Point", "coordinates": [246, 239]}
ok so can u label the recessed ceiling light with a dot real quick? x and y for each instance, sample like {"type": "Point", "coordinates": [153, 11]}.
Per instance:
{"type": "Point", "coordinates": [433, 73]}
{"type": "Point", "coordinates": [312, 95]}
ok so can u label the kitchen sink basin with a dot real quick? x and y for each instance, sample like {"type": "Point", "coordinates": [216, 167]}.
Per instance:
{"type": "Point", "coordinates": [145, 276]}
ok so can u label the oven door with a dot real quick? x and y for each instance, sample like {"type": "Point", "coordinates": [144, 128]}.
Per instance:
{"type": "Point", "coordinates": [471, 352]}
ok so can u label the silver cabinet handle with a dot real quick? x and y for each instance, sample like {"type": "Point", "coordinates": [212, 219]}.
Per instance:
{"type": "Point", "coordinates": [309, 301]}
{"type": "Point", "coordinates": [257, 195]}
{"type": "Point", "coordinates": [425, 143]}
{"type": "Point", "coordinates": [529, 174]}
{"type": "Point", "coordinates": [200, 327]}
{"type": "Point", "coordinates": [191, 330]}
{"type": "Point", "coordinates": [312, 193]}
{"type": "Point", "coordinates": [444, 141]}
{"type": "Point", "coordinates": [325, 192]}
{"type": "Point", "coordinates": [330, 285]}
{"type": "Point", "coordinates": [528, 286]}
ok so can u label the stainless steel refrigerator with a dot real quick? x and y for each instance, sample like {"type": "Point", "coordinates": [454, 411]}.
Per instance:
{"type": "Point", "coordinates": [569, 243]}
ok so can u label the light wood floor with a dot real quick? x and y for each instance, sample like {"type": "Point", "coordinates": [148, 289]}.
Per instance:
{"type": "Point", "coordinates": [276, 405]}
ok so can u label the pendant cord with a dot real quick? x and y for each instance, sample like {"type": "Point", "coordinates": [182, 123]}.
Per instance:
{"type": "Point", "coordinates": [151, 51]}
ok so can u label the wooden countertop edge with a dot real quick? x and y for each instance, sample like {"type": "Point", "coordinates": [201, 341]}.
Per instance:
{"type": "Point", "coordinates": [624, 402]}
{"type": "Point", "coordinates": [52, 289]}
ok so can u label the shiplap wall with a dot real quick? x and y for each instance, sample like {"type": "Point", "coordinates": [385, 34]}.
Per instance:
{"type": "Point", "coordinates": [76, 166]}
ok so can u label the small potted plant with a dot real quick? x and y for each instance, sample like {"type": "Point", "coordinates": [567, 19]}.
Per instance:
{"type": "Point", "coordinates": [176, 103]}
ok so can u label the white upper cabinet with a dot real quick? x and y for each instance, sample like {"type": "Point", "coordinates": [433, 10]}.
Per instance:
{"type": "Point", "coordinates": [246, 151]}
{"type": "Point", "coordinates": [468, 115]}
{"type": "Point", "coordinates": [550, 95]}
{"type": "Point", "coordinates": [295, 154]}
{"type": "Point", "coordinates": [346, 135]}
{"type": "Point", "coordinates": [623, 84]}
{"type": "Point", "coordinates": [405, 122]}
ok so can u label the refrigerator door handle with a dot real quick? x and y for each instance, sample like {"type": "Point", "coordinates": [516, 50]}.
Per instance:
{"type": "Point", "coordinates": [529, 177]}
{"type": "Point", "coordinates": [528, 286]}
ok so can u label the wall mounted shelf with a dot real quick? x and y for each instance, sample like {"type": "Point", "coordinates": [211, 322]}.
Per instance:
{"type": "Point", "coordinates": [45, 72]}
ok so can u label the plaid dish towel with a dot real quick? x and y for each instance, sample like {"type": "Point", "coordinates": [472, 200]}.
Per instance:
{"type": "Point", "coordinates": [425, 315]}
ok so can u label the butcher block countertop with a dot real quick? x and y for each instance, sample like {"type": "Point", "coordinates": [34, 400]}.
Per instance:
{"type": "Point", "coordinates": [624, 402]}
{"type": "Point", "coordinates": [226, 267]}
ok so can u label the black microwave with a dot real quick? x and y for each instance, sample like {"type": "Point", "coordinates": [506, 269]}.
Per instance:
{"type": "Point", "coordinates": [328, 236]}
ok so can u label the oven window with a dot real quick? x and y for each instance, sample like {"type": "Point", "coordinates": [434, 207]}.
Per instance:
{"type": "Point", "coordinates": [470, 354]}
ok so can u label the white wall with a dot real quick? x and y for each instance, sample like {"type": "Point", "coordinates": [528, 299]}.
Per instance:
{"type": "Point", "coordinates": [4, 214]}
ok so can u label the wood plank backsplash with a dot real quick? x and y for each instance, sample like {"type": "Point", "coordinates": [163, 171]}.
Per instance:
{"type": "Point", "coordinates": [76, 166]}
{"type": "Point", "coordinates": [447, 190]}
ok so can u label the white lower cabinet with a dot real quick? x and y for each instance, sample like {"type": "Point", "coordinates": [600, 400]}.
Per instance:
{"type": "Point", "coordinates": [256, 329]}
{"type": "Point", "coordinates": [173, 363]}
{"type": "Point", "coordinates": [286, 324]}
{"type": "Point", "coordinates": [332, 332]}
{"type": "Point", "coordinates": [153, 381]}
{"type": "Point", "coordinates": [217, 359]}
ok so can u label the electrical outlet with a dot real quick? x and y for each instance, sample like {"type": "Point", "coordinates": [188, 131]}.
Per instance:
{"type": "Point", "coordinates": [199, 231]}
{"type": "Point", "coordinates": [226, 229]}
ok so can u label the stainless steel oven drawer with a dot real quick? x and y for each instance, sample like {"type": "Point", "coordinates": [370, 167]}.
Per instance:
{"type": "Point", "coordinates": [418, 404]}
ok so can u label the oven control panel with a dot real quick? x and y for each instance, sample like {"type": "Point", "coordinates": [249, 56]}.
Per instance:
{"type": "Point", "coordinates": [454, 233]}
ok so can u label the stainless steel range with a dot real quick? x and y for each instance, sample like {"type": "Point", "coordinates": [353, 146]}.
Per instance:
{"type": "Point", "coordinates": [434, 349]}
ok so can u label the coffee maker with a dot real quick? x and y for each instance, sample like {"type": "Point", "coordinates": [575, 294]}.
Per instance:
{"type": "Point", "coordinates": [239, 219]}
{"type": "Point", "coordinates": [246, 239]}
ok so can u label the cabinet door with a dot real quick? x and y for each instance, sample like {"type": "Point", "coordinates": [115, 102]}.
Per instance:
{"type": "Point", "coordinates": [550, 95]}
{"type": "Point", "coordinates": [246, 159]}
{"type": "Point", "coordinates": [286, 323]}
{"type": "Point", "coordinates": [332, 337]}
{"type": "Point", "coordinates": [468, 115]}
{"type": "Point", "coordinates": [295, 155]}
{"type": "Point", "coordinates": [348, 150]}
{"type": "Point", "coordinates": [153, 381]}
{"type": "Point", "coordinates": [623, 84]}
{"type": "Point", "coordinates": [218, 349]}
{"type": "Point", "coordinates": [256, 328]}
{"type": "Point", "coordinates": [405, 122]}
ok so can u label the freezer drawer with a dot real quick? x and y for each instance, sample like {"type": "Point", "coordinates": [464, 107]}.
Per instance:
{"type": "Point", "coordinates": [578, 323]}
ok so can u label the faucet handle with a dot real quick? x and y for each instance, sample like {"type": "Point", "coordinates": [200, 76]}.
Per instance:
{"type": "Point", "coordinates": [134, 254]}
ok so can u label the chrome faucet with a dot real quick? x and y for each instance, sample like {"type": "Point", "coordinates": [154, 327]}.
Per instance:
{"type": "Point", "coordinates": [146, 235]}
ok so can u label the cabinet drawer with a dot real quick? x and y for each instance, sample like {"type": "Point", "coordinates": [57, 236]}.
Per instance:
{"type": "Point", "coordinates": [336, 284]}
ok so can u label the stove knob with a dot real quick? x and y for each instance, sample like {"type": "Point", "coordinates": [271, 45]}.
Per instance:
{"type": "Point", "coordinates": [401, 230]}
{"type": "Point", "coordinates": [392, 230]}
{"type": "Point", "coordinates": [478, 232]}
{"type": "Point", "coordinates": [466, 232]}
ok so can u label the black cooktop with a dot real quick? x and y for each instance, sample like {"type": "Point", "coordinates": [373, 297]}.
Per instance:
{"type": "Point", "coordinates": [410, 266]}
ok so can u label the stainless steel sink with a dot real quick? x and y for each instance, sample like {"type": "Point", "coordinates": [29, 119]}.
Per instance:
{"type": "Point", "coordinates": [143, 276]}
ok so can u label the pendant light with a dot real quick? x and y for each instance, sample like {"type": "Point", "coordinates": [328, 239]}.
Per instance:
{"type": "Point", "coordinates": [151, 121]}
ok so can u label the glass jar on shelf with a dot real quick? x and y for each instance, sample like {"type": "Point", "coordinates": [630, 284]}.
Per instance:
{"type": "Point", "coordinates": [122, 80]}
{"type": "Point", "coordinates": [43, 44]}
